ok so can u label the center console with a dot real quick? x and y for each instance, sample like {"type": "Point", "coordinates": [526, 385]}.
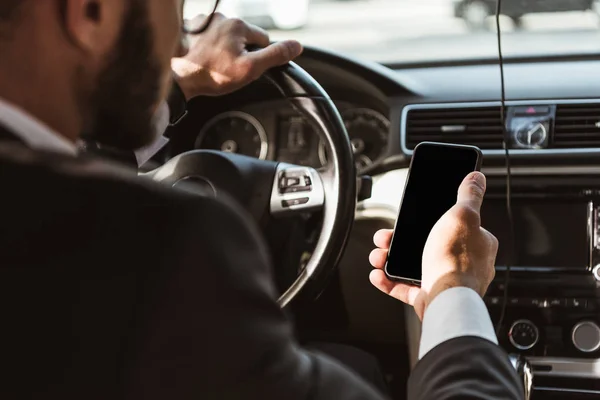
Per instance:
{"type": "Point", "coordinates": [552, 314]}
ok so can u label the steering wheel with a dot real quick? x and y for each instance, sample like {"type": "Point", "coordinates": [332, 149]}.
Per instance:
{"type": "Point", "coordinates": [271, 189]}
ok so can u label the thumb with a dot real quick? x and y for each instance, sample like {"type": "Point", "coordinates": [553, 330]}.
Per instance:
{"type": "Point", "coordinates": [276, 54]}
{"type": "Point", "coordinates": [472, 190]}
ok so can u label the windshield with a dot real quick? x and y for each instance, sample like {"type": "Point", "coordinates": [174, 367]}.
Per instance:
{"type": "Point", "coordinates": [407, 31]}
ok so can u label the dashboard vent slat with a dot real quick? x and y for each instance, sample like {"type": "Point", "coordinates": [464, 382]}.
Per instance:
{"type": "Point", "coordinates": [478, 126]}
{"type": "Point", "coordinates": [577, 126]}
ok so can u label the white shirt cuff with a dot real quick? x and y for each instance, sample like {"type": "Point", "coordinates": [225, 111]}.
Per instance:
{"type": "Point", "coordinates": [454, 313]}
{"type": "Point", "coordinates": [160, 124]}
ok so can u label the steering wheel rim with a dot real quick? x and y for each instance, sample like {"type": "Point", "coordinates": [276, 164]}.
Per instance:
{"type": "Point", "coordinates": [332, 188]}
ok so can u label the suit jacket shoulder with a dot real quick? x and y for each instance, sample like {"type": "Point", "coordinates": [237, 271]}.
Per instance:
{"type": "Point", "coordinates": [88, 252]}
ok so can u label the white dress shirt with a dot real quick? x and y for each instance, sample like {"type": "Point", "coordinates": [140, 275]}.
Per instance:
{"type": "Point", "coordinates": [32, 131]}
{"type": "Point", "coordinates": [40, 136]}
{"type": "Point", "coordinates": [453, 313]}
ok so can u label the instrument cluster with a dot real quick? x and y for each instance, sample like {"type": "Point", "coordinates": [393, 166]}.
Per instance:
{"type": "Point", "coordinates": [281, 134]}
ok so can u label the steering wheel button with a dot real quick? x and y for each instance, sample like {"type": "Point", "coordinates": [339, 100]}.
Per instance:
{"type": "Point", "coordinates": [296, 189]}
{"type": "Point", "coordinates": [294, 202]}
{"type": "Point", "coordinates": [292, 182]}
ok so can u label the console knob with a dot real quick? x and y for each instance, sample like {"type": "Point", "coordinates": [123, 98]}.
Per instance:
{"type": "Point", "coordinates": [523, 334]}
{"type": "Point", "coordinates": [596, 272]}
{"type": "Point", "coordinates": [586, 336]}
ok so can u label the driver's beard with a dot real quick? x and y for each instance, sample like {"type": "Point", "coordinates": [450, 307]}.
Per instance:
{"type": "Point", "coordinates": [127, 90]}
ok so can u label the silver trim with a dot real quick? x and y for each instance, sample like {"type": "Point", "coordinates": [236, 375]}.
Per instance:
{"type": "Point", "coordinates": [523, 321]}
{"type": "Point", "coordinates": [523, 368]}
{"type": "Point", "coordinates": [592, 223]}
{"type": "Point", "coordinates": [596, 272]}
{"type": "Point", "coordinates": [262, 133]}
{"type": "Point", "coordinates": [527, 379]}
{"type": "Point", "coordinates": [316, 196]}
{"type": "Point", "coordinates": [561, 170]}
{"type": "Point", "coordinates": [537, 145]}
{"type": "Point", "coordinates": [322, 151]}
{"type": "Point", "coordinates": [565, 390]}
{"type": "Point", "coordinates": [579, 325]}
{"type": "Point", "coordinates": [567, 367]}
{"type": "Point", "coordinates": [499, 152]}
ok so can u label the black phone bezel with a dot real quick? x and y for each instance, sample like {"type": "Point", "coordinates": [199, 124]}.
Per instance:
{"type": "Point", "coordinates": [417, 282]}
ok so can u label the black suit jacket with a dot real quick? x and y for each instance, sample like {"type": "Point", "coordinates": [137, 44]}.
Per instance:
{"type": "Point", "coordinates": [465, 368]}
{"type": "Point", "coordinates": [116, 288]}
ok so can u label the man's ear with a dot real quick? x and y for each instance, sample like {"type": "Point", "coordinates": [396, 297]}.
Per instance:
{"type": "Point", "coordinates": [94, 25]}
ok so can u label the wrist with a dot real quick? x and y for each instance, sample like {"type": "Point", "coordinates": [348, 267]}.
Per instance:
{"type": "Point", "coordinates": [449, 282]}
{"type": "Point", "coordinates": [183, 85]}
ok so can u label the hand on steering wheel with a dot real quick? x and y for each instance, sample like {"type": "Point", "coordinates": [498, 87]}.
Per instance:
{"type": "Point", "coordinates": [218, 61]}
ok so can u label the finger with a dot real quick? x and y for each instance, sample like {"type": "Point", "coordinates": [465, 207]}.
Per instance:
{"type": "Point", "coordinates": [383, 238]}
{"type": "Point", "coordinates": [274, 55]}
{"type": "Point", "coordinates": [492, 239]}
{"type": "Point", "coordinates": [403, 292]}
{"type": "Point", "coordinates": [256, 36]}
{"type": "Point", "coordinates": [472, 190]}
{"type": "Point", "coordinates": [378, 258]}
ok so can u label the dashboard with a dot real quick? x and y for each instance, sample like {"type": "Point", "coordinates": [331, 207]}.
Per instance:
{"type": "Point", "coordinates": [551, 311]}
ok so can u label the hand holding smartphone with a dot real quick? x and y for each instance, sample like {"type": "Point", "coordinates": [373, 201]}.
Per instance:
{"type": "Point", "coordinates": [435, 174]}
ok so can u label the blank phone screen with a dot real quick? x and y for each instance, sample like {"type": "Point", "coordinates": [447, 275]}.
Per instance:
{"type": "Point", "coordinates": [436, 173]}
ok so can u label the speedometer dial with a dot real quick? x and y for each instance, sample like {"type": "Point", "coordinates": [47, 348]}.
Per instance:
{"type": "Point", "coordinates": [368, 131]}
{"type": "Point", "coordinates": [234, 132]}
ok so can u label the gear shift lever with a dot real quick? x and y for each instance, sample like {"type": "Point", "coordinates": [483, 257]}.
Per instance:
{"type": "Point", "coordinates": [525, 372]}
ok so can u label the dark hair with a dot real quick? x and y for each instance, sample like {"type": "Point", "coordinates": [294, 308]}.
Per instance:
{"type": "Point", "coordinates": [8, 8]}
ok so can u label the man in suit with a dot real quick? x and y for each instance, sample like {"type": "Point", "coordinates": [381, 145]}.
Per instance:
{"type": "Point", "coordinates": [116, 288]}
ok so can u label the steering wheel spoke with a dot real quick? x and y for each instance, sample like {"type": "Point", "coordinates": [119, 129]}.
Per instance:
{"type": "Point", "coordinates": [296, 190]}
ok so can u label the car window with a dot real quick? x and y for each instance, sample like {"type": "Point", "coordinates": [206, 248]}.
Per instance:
{"type": "Point", "coordinates": [408, 31]}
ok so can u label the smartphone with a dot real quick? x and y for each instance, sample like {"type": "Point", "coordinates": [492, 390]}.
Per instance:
{"type": "Point", "coordinates": [435, 173]}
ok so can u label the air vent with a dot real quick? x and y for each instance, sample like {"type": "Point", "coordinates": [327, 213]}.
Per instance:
{"type": "Point", "coordinates": [478, 126]}
{"type": "Point", "coordinates": [577, 126]}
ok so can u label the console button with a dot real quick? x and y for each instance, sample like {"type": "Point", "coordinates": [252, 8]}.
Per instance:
{"type": "Point", "coordinates": [523, 334]}
{"type": "Point", "coordinates": [557, 302]}
{"type": "Point", "coordinates": [586, 336]}
{"type": "Point", "coordinates": [494, 301]}
{"type": "Point", "coordinates": [531, 111]}
{"type": "Point", "coordinates": [577, 303]}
